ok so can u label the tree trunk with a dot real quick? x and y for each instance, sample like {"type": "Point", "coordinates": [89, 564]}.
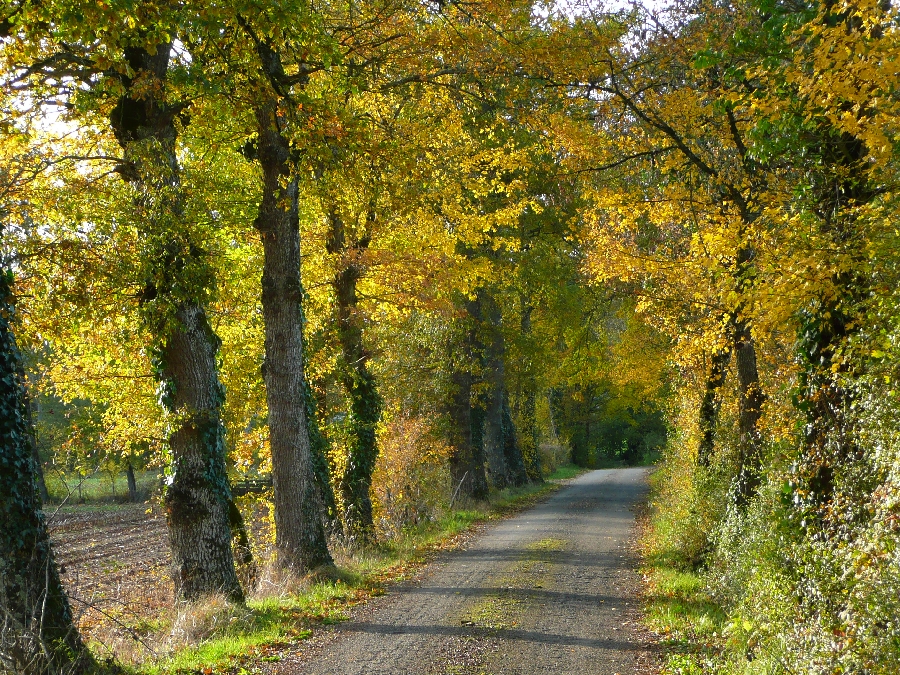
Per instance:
{"type": "Point", "coordinates": [709, 407]}
{"type": "Point", "coordinates": [515, 462]}
{"type": "Point", "coordinates": [492, 413]}
{"type": "Point", "coordinates": [31, 437]}
{"type": "Point", "coordinates": [750, 411]}
{"type": "Point", "coordinates": [501, 448]}
{"type": "Point", "coordinates": [178, 279]}
{"type": "Point", "coordinates": [467, 459]}
{"type": "Point", "coordinates": [365, 402]}
{"type": "Point", "coordinates": [831, 442]}
{"type": "Point", "coordinates": [132, 483]}
{"type": "Point", "coordinates": [490, 400]}
{"type": "Point", "coordinates": [528, 410]}
{"type": "Point", "coordinates": [198, 498]}
{"type": "Point", "coordinates": [300, 539]}
{"type": "Point", "coordinates": [37, 633]}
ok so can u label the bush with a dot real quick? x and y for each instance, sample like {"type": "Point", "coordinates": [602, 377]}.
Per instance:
{"type": "Point", "coordinates": [411, 482]}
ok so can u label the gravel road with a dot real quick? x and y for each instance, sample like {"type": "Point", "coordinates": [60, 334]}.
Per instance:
{"type": "Point", "coordinates": [552, 590]}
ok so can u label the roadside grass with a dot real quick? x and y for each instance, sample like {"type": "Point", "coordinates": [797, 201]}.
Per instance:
{"type": "Point", "coordinates": [677, 607]}
{"type": "Point", "coordinates": [229, 639]}
{"type": "Point", "coordinates": [566, 471]}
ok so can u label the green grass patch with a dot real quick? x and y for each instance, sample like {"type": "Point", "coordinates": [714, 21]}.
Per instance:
{"type": "Point", "coordinates": [98, 488]}
{"type": "Point", "coordinates": [690, 624]}
{"type": "Point", "coordinates": [548, 545]}
{"type": "Point", "coordinates": [227, 635]}
{"type": "Point", "coordinates": [567, 471]}
{"type": "Point", "coordinates": [495, 612]}
{"type": "Point", "coordinates": [678, 607]}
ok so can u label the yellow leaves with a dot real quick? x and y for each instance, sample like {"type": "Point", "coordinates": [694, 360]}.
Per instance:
{"type": "Point", "coordinates": [411, 479]}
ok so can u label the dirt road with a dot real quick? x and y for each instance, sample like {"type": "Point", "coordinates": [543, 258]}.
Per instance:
{"type": "Point", "coordinates": [549, 591]}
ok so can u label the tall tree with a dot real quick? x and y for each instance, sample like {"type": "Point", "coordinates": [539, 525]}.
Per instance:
{"type": "Point", "coordinates": [126, 77]}
{"type": "Point", "coordinates": [358, 381]}
{"type": "Point", "coordinates": [300, 538]}
{"type": "Point", "coordinates": [37, 632]}
{"type": "Point", "coordinates": [179, 280]}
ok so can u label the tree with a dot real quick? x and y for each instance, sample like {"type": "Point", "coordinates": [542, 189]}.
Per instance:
{"type": "Point", "coordinates": [37, 632]}
{"type": "Point", "coordinates": [299, 529]}
{"type": "Point", "coordinates": [198, 501]}
{"type": "Point", "coordinates": [177, 278]}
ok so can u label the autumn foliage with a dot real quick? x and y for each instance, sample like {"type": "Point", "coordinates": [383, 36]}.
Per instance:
{"type": "Point", "coordinates": [390, 256]}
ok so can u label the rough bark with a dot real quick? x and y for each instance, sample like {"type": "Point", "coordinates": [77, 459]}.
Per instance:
{"type": "Point", "coordinates": [37, 633]}
{"type": "Point", "coordinates": [31, 437]}
{"type": "Point", "coordinates": [467, 459]}
{"type": "Point", "coordinates": [749, 414]}
{"type": "Point", "coordinates": [178, 278]}
{"type": "Point", "coordinates": [501, 447]}
{"type": "Point", "coordinates": [528, 411]}
{"type": "Point", "coordinates": [512, 451]}
{"type": "Point", "coordinates": [300, 539]}
{"type": "Point", "coordinates": [749, 475]}
{"type": "Point", "coordinates": [709, 407]}
{"type": "Point", "coordinates": [359, 383]}
{"type": "Point", "coordinates": [198, 498]}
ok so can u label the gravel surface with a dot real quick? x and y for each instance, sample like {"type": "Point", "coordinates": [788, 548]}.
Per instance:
{"type": "Point", "coordinates": [553, 590]}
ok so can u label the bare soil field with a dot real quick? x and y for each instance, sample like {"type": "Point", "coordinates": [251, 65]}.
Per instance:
{"type": "Point", "coordinates": [113, 562]}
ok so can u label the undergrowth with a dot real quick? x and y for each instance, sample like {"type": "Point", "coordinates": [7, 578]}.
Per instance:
{"type": "Point", "coordinates": [776, 586]}
{"type": "Point", "coordinates": [678, 608]}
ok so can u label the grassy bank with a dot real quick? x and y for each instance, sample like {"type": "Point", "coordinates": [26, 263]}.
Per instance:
{"type": "Point", "coordinates": [678, 608]}
{"type": "Point", "coordinates": [215, 637]}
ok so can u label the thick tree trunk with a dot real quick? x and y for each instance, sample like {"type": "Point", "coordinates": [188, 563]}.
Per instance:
{"type": "Point", "coordinates": [830, 440]}
{"type": "Point", "coordinates": [515, 462]}
{"type": "Point", "coordinates": [178, 277]}
{"type": "Point", "coordinates": [467, 460]}
{"type": "Point", "coordinates": [750, 412]}
{"type": "Point", "coordinates": [31, 437]}
{"type": "Point", "coordinates": [493, 439]}
{"type": "Point", "coordinates": [528, 410]}
{"type": "Point", "coordinates": [365, 402]}
{"type": "Point", "coordinates": [300, 539]}
{"type": "Point", "coordinates": [501, 447]}
{"type": "Point", "coordinates": [198, 497]}
{"type": "Point", "coordinates": [37, 634]}
{"type": "Point", "coordinates": [709, 407]}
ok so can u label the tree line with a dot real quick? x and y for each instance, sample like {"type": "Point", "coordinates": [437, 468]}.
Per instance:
{"type": "Point", "coordinates": [251, 235]}
{"type": "Point", "coordinates": [225, 230]}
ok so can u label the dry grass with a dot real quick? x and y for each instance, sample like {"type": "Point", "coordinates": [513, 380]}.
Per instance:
{"type": "Point", "coordinates": [211, 617]}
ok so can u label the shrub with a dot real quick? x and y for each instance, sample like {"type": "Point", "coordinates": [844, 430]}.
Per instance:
{"type": "Point", "coordinates": [411, 482]}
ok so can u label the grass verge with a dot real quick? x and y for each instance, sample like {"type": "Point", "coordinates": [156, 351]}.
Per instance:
{"type": "Point", "coordinates": [223, 638]}
{"type": "Point", "coordinates": [677, 607]}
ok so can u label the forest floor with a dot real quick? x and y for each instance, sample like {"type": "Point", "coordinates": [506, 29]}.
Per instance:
{"type": "Point", "coordinates": [552, 590]}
